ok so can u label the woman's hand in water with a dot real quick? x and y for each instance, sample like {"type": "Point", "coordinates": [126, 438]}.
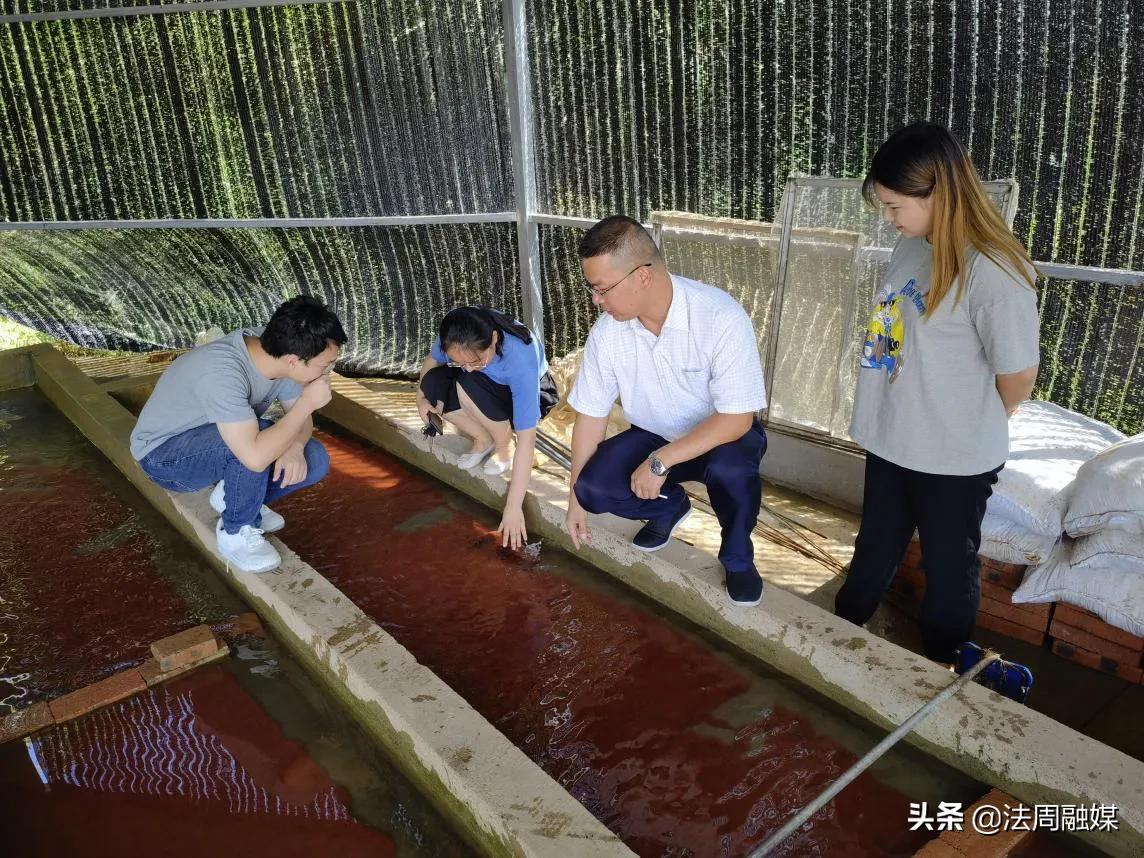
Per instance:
{"type": "Point", "coordinates": [513, 533]}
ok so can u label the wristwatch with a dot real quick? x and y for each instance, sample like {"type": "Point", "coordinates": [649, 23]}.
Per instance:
{"type": "Point", "coordinates": [657, 467]}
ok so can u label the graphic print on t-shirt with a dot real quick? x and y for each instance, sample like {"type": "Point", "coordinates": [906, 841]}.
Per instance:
{"type": "Point", "coordinates": [885, 333]}
{"type": "Point", "coordinates": [883, 346]}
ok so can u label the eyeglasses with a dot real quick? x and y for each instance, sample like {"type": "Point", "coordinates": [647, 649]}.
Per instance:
{"type": "Point", "coordinates": [600, 293]}
{"type": "Point", "coordinates": [471, 365]}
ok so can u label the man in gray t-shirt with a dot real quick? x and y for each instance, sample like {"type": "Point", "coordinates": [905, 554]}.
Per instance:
{"type": "Point", "coordinates": [203, 424]}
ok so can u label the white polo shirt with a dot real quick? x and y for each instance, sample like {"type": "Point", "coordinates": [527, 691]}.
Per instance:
{"type": "Point", "coordinates": [705, 360]}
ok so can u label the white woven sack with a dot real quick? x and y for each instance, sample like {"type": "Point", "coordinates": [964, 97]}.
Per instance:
{"type": "Point", "coordinates": [1109, 491]}
{"type": "Point", "coordinates": [1009, 542]}
{"type": "Point", "coordinates": [1110, 549]}
{"type": "Point", "coordinates": [1047, 446]}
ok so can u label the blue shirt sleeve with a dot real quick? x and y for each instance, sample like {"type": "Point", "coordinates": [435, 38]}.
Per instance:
{"type": "Point", "coordinates": [438, 353]}
{"type": "Point", "coordinates": [525, 387]}
{"type": "Point", "coordinates": [524, 382]}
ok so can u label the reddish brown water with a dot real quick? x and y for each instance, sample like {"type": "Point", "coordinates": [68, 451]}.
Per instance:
{"type": "Point", "coordinates": [89, 576]}
{"type": "Point", "coordinates": [195, 765]}
{"type": "Point", "coordinates": [676, 748]}
{"type": "Point", "coordinates": [82, 597]}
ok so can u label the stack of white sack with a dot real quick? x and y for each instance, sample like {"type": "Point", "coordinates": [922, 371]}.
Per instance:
{"type": "Point", "coordinates": [1048, 445]}
{"type": "Point", "coordinates": [1102, 568]}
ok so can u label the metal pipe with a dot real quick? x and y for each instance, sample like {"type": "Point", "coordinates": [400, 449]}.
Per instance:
{"type": "Point", "coordinates": [554, 450]}
{"type": "Point", "coordinates": [518, 83]}
{"type": "Point", "coordinates": [872, 757]}
{"type": "Point", "coordinates": [164, 9]}
{"type": "Point", "coordinates": [258, 222]}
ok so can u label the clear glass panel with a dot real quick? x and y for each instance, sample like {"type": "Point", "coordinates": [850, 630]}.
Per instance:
{"type": "Point", "coordinates": [738, 256]}
{"type": "Point", "coordinates": [839, 250]}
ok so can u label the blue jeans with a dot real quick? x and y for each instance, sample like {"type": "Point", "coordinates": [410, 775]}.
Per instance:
{"type": "Point", "coordinates": [730, 472]}
{"type": "Point", "coordinates": [200, 457]}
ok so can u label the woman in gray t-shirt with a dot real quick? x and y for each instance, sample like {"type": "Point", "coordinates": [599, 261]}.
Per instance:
{"type": "Point", "coordinates": [951, 350]}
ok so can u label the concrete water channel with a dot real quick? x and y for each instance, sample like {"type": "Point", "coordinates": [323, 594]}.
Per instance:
{"type": "Point", "coordinates": [519, 696]}
{"type": "Point", "coordinates": [247, 754]}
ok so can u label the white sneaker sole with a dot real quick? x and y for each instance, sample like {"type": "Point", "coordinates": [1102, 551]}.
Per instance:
{"type": "Point", "coordinates": [750, 604]}
{"type": "Point", "coordinates": [674, 528]}
{"type": "Point", "coordinates": [254, 570]}
{"type": "Point", "coordinates": [757, 601]}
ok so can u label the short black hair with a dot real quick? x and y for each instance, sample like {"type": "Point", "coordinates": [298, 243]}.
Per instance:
{"type": "Point", "coordinates": [619, 235]}
{"type": "Point", "coordinates": [303, 326]}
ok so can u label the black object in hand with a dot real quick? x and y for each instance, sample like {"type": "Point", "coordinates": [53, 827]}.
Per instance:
{"type": "Point", "coordinates": [435, 426]}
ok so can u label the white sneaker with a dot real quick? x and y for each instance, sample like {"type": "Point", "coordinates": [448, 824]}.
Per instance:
{"type": "Point", "coordinates": [272, 522]}
{"type": "Point", "coordinates": [471, 460]}
{"type": "Point", "coordinates": [495, 466]}
{"type": "Point", "coordinates": [247, 549]}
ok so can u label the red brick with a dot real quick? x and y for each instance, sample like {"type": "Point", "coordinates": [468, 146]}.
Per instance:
{"type": "Point", "coordinates": [1085, 640]}
{"type": "Point", "coordinates": [150, 672]}
{"type": "Point", "coordinates": [1005, 596]}
{"type": "Point", "coordinates": [913, 554]}
{"type": "Point", "coordinates": [95, 696]}
{"type": "Point", "coordinates": [937, 848]}
{"type": "Point", "coordinates": [1014, 614]}
{"type": "Point", "coordinates": [153, 675]}
{"type": "Point", "coordinates": [1089, 622]}
{"type": "Point", "coordinates": [911, 574]}
{"type": "Point", "coordinates": [908, 588]}
{"type": "Point", "coordinates": [1013, 630]}
{"type": "Point", "coordinates": [910, 582]}
{"type": "Point", "coordinates": [915, 572]}
{"type": "Point", "coordinates": [25, 722]}
{"type": "Point", "coordinates": [971, 843]}
{"type": "Point", "coordinates": [1096, 661]}
{"type": "Point", "coordinates": [1008, 575]}
{"type": "Point", "coordinates": [998, 845]}
{"type": "Point", "coordinates": [995, 797]}
{"type": "Point", "coordinates": [187, 647]}
{"type": "Point", "coordinates": [915, 590]}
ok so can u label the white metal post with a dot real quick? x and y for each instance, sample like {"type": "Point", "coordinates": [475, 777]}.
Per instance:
{"type": "Point", "coordinates": [523, 159]}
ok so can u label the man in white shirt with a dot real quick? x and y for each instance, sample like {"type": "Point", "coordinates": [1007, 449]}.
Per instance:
{"type": "Point", "coordinates": [683, 359]}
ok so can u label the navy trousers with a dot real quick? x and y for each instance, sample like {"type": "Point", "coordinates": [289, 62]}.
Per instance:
{"type": "Point", "coordinates": [947, 512]}
{"type": "Point", "coordinates": [730, 472]}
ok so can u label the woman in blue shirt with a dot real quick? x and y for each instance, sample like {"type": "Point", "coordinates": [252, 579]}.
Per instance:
{"type": "Point", "coordinates": [486, 374]}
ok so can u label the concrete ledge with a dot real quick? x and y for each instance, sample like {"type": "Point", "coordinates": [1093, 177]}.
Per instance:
{"type": "Point", "coordinates": [989, 737]}
{"type": "Point", "coordinates": [501, 801]}
{"type": "Point", "coordinates": [16, 368]}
